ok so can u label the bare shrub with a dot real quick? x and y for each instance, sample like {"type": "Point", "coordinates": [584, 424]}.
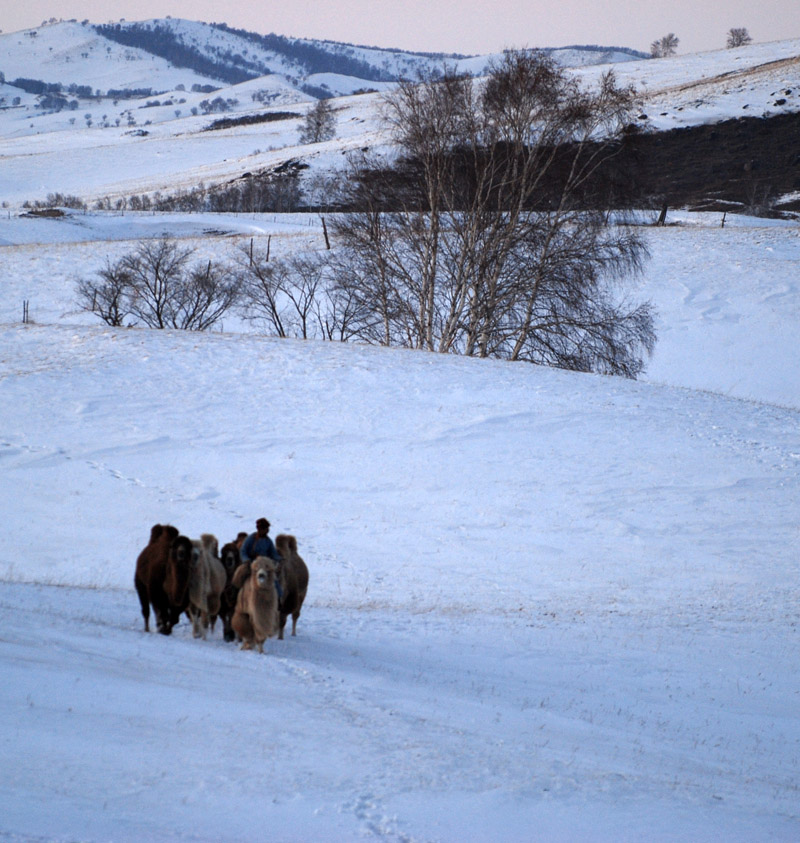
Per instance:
{"type": "Point", "coordinates": [290, 297]}
{"type": "Point", "coordinates": [109, 297]}
{"type": "Point", "coordinates": [156, 287]}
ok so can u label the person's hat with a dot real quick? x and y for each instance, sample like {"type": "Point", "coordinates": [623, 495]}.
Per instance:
{"type": "Point", "coordinates": [262, 522]}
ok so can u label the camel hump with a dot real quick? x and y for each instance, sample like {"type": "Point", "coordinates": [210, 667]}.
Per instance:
{"type": "Point", "coordinates": [209, 542]}
{"type": "Point", "coordinates": [286, 544]}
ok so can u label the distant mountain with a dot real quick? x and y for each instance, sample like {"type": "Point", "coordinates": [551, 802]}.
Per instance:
{"type": "Point", "coordinates": [237, 55]}
{"type": "Point", "coordinates": [154, 56]}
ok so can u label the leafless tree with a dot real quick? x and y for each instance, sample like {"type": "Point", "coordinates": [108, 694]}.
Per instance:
{"type": "Point", "coordinates": [291, 297]}
{"type": "Point", "coordinates": [306, 293]}
{"type": "Point", "coordinates": [320, 123]}
{"type": "Point", "coordinates": [261, 282]}
{"type": "Point", "coordinates": [480, 237]}
{"type": "Point", "coordinates": [155, 270]}
{"type": "Point", "coordinates": [663, 47]}
{"type": "Point", "coordinates": [109, 297]}
{"type": "Point", "coordinates": [375, 278]}
{"type": "Point", "coordinates": [738, 37]}
{"type": "Point", "coordinates": [207, 293]}
{"type": "Point", "coordinates": [156, 287]}
{"type": "Point", "coordinates": [343, 315]}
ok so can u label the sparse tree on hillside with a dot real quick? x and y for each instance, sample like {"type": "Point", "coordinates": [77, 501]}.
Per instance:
{"type": "Point", "coordinates": [738, 37]}
{"type": "Point", "coordinates": [320, 123]}
{"type": "Point", "coordinates": [666, 46]}
{"type": "Point", "coordinates": [484, 236]}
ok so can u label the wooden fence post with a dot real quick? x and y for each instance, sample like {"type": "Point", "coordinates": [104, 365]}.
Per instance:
{"type": "Point", "coordinates": [325, 232]}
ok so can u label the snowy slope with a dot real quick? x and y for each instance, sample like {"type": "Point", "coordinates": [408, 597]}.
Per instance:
{"type": "Point", "coordinates": [178, 153]}
{"type": "Point", "coordinates": [727, 299]}
{"type": "Point", "coordinates": [541, 604]}
{"type": "Point", "coordinates": [74, 52]}
{"type": "Point", "coordinates": [758, 80]}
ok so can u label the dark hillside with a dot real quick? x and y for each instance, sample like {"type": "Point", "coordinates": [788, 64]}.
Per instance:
{"type": "Point", "coordinates": [745, 161]}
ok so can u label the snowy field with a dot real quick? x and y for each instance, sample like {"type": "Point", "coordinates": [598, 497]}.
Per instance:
{"type": "Point", "coordinates": [543, 605]}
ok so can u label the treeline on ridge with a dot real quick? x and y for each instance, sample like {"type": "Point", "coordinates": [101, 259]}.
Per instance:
{"type": "Point", "coordinates": [162, 41]}
{"type": "Point", "coordinates": [313, 58]}
{"type": "Point", "coordinates": [232, 67]}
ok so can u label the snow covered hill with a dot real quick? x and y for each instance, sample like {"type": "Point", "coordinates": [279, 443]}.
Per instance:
{"type": "Point", "coordinates": [162, 54]}
{"type": "Point", "coordinates": [75, 53]}
{"type": "Point", "coordinates": [759, 80]}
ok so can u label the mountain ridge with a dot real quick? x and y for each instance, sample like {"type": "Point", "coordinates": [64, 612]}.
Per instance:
{"type": "Point", "coordinates": [221, 54]}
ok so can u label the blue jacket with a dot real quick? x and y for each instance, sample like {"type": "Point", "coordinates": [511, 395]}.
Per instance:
{"type": "Point", "coordinates": [254, 546]}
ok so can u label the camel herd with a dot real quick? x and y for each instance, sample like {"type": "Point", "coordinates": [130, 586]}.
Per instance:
{"type": "Point", "coordinates": [176, 574]}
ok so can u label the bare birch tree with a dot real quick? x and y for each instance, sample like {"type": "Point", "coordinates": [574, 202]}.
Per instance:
{"type": "Point", "coordinates": [293, 296]}
{"type": "Point", "coordinates": [319, 124]}
{"type": "Point", "coordinates": [482, 237]}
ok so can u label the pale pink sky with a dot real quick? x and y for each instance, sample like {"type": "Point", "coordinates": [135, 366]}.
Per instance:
{"type": "Point", "coordinates": [462, 26]}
